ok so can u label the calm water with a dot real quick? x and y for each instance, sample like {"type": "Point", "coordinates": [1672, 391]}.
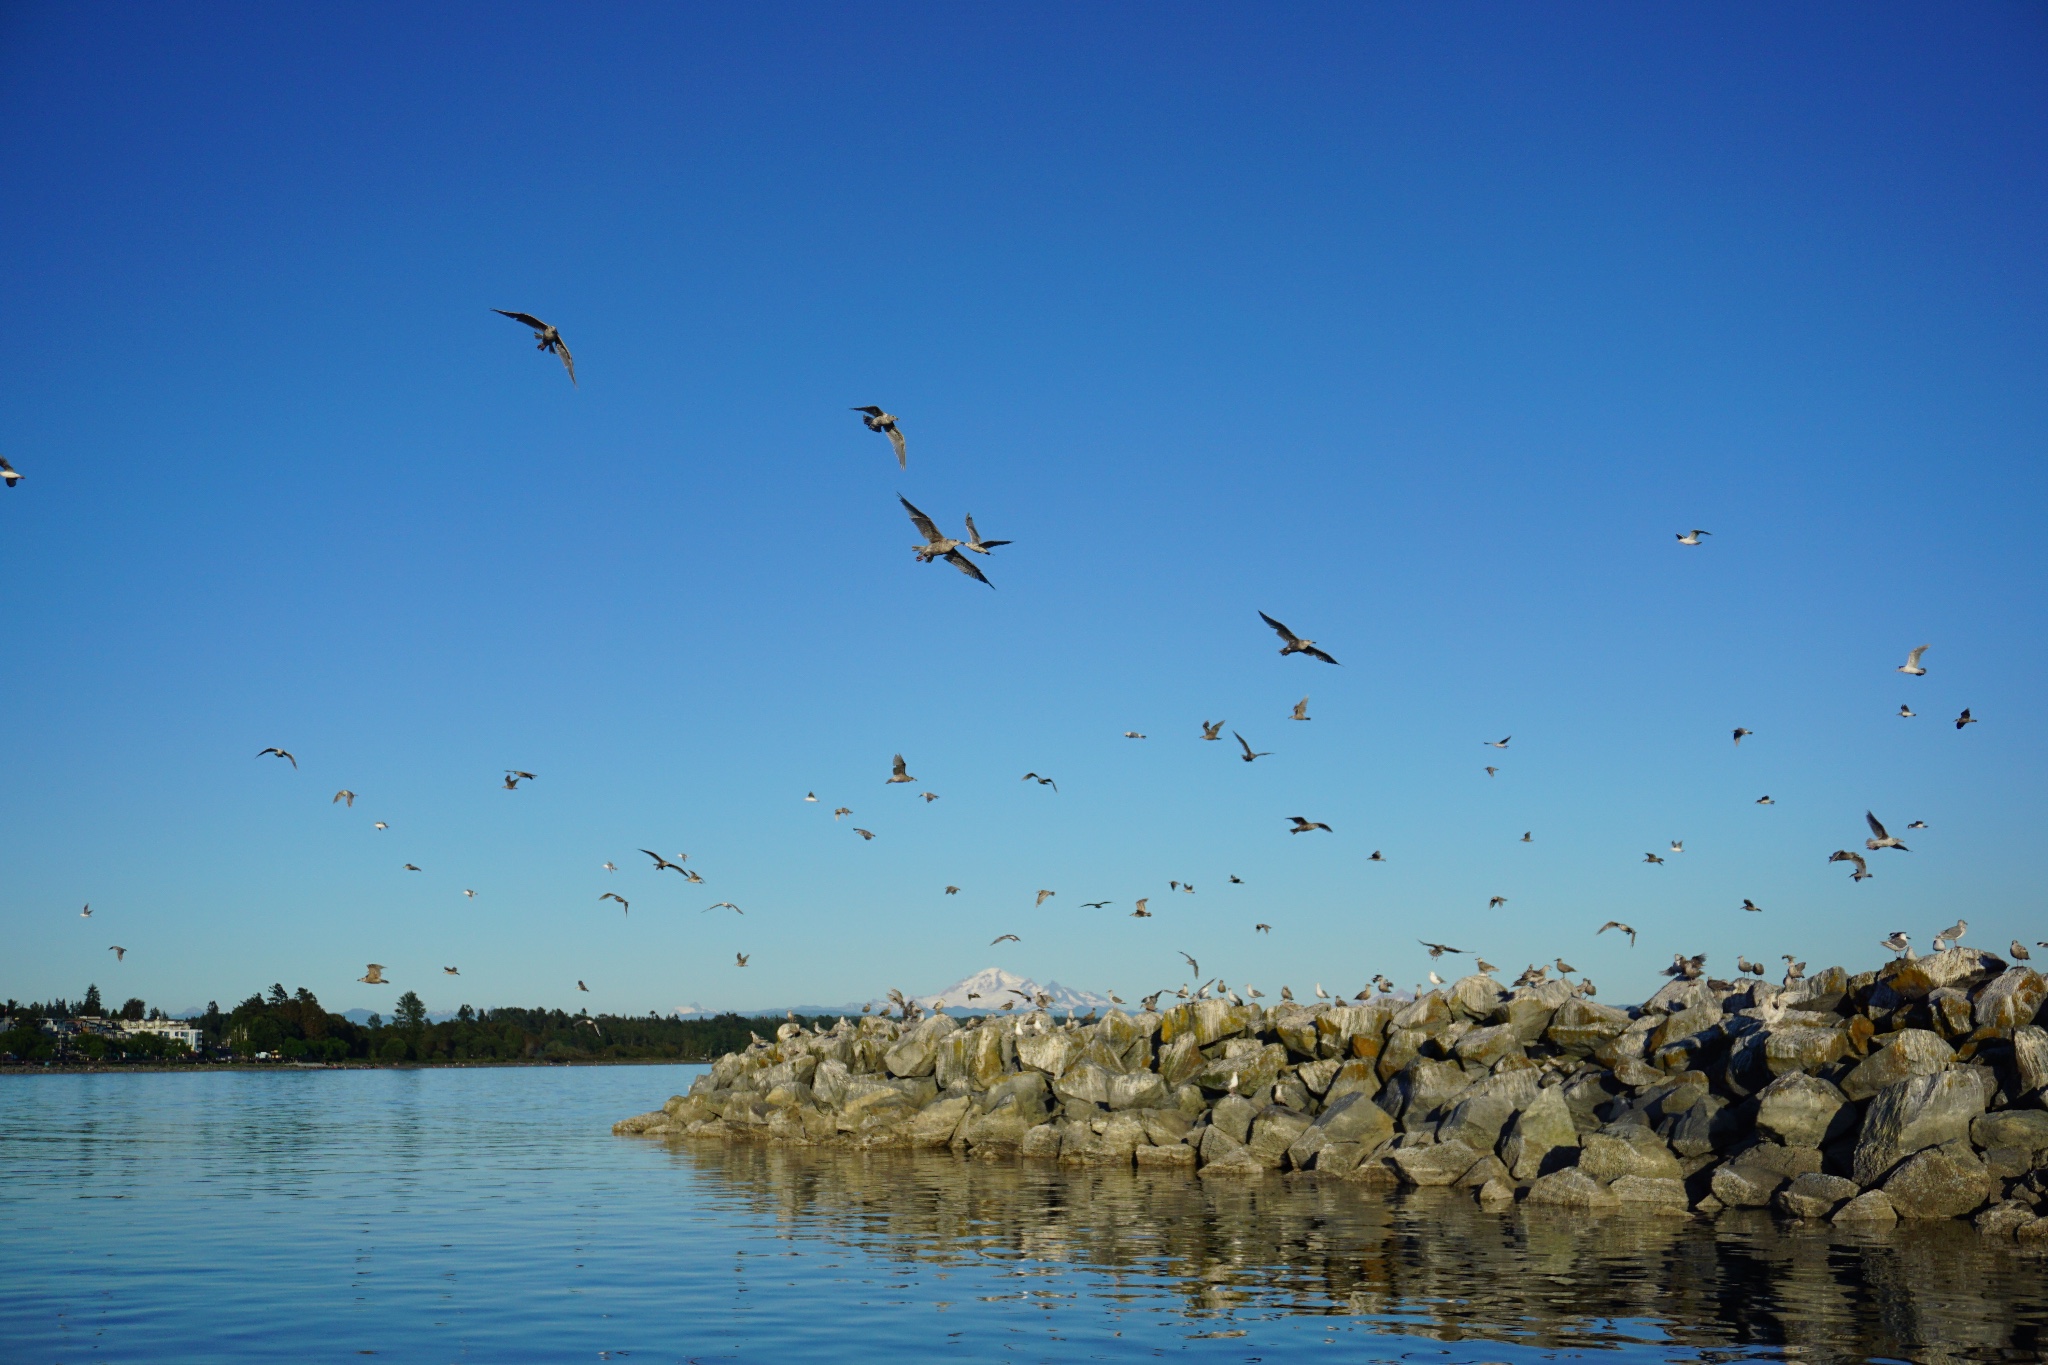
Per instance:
{"type": "Point", "coordinates": [489, 1215]}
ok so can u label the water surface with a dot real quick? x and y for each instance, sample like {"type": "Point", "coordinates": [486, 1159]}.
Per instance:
{"type": "Point", "coordinates": [447, 1215]}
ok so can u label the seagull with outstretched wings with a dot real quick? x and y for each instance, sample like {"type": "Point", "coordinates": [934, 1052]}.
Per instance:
{"type": "Point", "coordinates": [874, 419]}
{"type": "Point", "coordinates": [939, 545]}
{"type": "Point", "coordinates": [281, 753]}
{"type": "Point", "coordinates": [546, 338]}
{"type": "Point", "coordinates": [1294, 644]}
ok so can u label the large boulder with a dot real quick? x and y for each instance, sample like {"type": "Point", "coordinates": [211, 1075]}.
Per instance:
{"type": "Point", "coordinates": [1939, 1182]}
{"type": "Point", "coordinates": [1910, 1115]}
{"type": "Point", "coordinates": [1107, 1142]}
{"type": "Point", "coordinates": [1910, 1052]}
{"type": "Point", "coordinates": [1234, 1114]}
{"type": "Point", "coordinates": [935, 1124]}
{"type": "Point", "coordinates": [1481, 1110]}
{"type": "Point", "coordinates": [1531, 1009]}
{"type": "Point", "coordinates": [1421, 1088]}
{"type": "Point", "coordinates": [1474, 997]}
{"type": "Point", "coordinates": [971, 1055]}
{"type": "Point", "coordinates": [1711, 1125]}
{"type": "Point", "coordinates": [1247, 1073]}
{"type": "Point", "coordinates": [1440, 1163]}
{"type": "Point", "coordinates": [2030, 1057]}
{"type": "Point", "coordinates": [2022, 1128]}
{"type": "Point", "coordinates": [1051, 1052]}
{"type": "Point", "coordinates": [1820, 993]}
{"type": "Point", "coordinates": [1572, 1188]}
{"type": "Point", "coordinates": [1180, 1061]}
{"type": "Point", "coordinates": [1745, 1184]}
{"type": "Point", "coordinates": [1352, 1118]}
{"type": "Point", "coordinates": [917, 1052]}
{"type": "Point", "coordinates": [1815, 1195]}
{"type": "Point", "coordinates": [1431, 1014]}
{"type": "Point", "coordinates": [1542, 1137]}
{"type": "Point", "coordinates": [1274, 1131]}
{"type": "Point", "coordinates": [1352, 1078]}
{"type": "Point", "coordinates": [1917, 977]}
{"type": "Point", "coordinates": [1804, 1049]}
{"type": "Point", "coordinates": [1137, 1090]}
{"type": "Point", "coordinates": [1297, 1029]}
{"type": "Point", "coordinates": [1084, 1080]}
{"type": "Point", "coordinates": [2007, 1001]}
{"type": "Point", "coordinates": [1485, 1046]}
{"type": "Point", "coordinates": [1579, 1026]}
{"type": "Point", "coordinates": [1803, 1111]}
{"type": "Point", "coordinates": [1872, 1206]}
{"type": "Point", "coordinates": [1206, 1021]}
{"type": "Point", "coordinates": [1651, 1193]}
{"type": "Point", "coordinates": [1626, 1149]}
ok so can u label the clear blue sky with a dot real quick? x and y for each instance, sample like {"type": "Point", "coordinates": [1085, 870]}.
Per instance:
{"type": "Point", "coordinates": [1423, 329]}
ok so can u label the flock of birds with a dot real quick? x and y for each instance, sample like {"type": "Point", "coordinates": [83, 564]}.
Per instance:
{"type": "Point", "coordinates": [937, 546]}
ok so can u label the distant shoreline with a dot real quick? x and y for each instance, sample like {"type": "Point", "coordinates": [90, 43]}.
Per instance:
{"type": "Point", "coordinates": [127, 1068]}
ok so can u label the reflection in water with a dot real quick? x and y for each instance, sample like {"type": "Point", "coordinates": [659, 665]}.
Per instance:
{"type": "Point", "coordinates": [1425, 1263]}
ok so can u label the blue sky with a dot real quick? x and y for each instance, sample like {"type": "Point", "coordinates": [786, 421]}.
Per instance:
{"type": "Point", "coordinates": [1423, 329]}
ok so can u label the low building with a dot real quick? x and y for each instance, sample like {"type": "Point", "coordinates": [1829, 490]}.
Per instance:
{"type": "Point", "coordinates": [176, 1030]}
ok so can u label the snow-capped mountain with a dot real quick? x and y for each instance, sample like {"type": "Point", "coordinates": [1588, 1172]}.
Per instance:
{"type": "Point", "coordinates": [992, 986]}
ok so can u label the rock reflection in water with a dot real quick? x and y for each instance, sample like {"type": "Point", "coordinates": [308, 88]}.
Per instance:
{"type": "Point", "coordinates": [1427, 1263]}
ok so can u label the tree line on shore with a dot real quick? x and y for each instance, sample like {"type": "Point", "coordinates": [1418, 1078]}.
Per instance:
{"type": "Point", "coordinates": [293, 1026]}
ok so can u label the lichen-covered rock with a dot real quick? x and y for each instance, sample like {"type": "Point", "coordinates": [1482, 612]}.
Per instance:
{"type": "Point", "coordinates": [1910, 1115]}
{"type": "Point", "coordinates": [1051, 1053]}
{"type": "Point", "coordinates": [2009, 1000]}
{"type": "Point", "coordinates": [1815, 1195]}
{"type": "Point", "coordinates": [1804, 1049]}
{"type": "Point", "coordinates": [1206, 1021]}
{"type": "Point", "coordinates": [1352, 1118]}
{"type": "Point", "coordinates": [1479, 1112]}
{"type": "Point", "coordinates": [1916, 978]}
{"type": "Point", "coordinates": [1177, 1156]}
{"type": "Point", "coordinates": [1572, 1188]}
{"type": "Point", "coordinates": [1496, 1196]}
{"type": "Point", "coordinates": [1247, 1073]}
{"type": "Point", "coordinates": [1474, 997]}
{"type": "Point", "coordinates": [1485, 1046]}
{"type": "Point", "coordinates": [1579, 1025]}
{"type": "Point", "coordinates": [1803, 1111]}
{"type": "Point", "coordinates": [1872, 1206]}
{"type": "Point", "coordinates": [1649, 1192]}
{"type": "Point", "coordinates": [1137, 1090]}
{"type": "Point", "coordinates": [935, 1124]}
{"type": "Point", "coordinates": [1740, 1184]}
{"type": "Point", "coordinates": [2027, 1128]}
{"type": "Point", "coordinates": [2030, 1057]}
{"type": "Point", "coordinates": [1041, 1141]}
{"type": "Point", "coordinates": [1274, 1131]}
{"type": "Point", "coordinates": [974, 1056]}
{"type": "Point", "coordinates": [1938, 1182]}
{"type": "Point", "coordinates": [1614, 1152]}
{"type": "Point", "coordinates": [1438, 1164]}
{"type": "Point", "coordinates": [1233, 1114]}
{"type": "Point", "coordinates": [917, 1052]}
{"type": "Point", "coordinates": [1542, 1137]}
{"type": "Point", "coordinates": [1910, 1052]}
{"type": "Point", "coordinates": [2003, 1219]}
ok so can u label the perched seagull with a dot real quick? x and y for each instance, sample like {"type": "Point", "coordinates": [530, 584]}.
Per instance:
{"type": "Point", "coordinates": [939, 545]}
{"type": "Point", "coordinates": [374, 974]}
{"type": "Point", "coordinates": [1765, 801]}
{"type": "Point", "coordinates": [452, 971]}
{"type": "Point", "coordinates": [952, 890]}
{"type": "Point", "coordinates": [1438, 949]}
{"type": "Point", "coordinates": [1262, 928]}
{"type": "Point", "coordinates": [1141, 912]}
{"type": "Point", "coordinates": [86, 913]}
{"type": "Point", "coordinates": [548, 339]}
{"type": "Point", "coordinates": [842, 810]}
{"type": "Point", "coordinates": [1496, 902]}
{"type": "Point", "coordinates": [121, 953]}
{"type": "Point", "coordinates": [1004, 938]}
{"type": "Point", "coordinates": [1321, 994]}
{"type": "Point", "coordinates": [742, 958]}
{"type": "Point", "coordinates": [874, 419]}
{"type": "Point", "coordinates": [1843, 855]}
{"type": "Point", "coordinates": [722, 905]}
{"type": "Point", "coordinates": [974, 541]}
{"type": "Point", "coordinates": [1897, 942]}
{"type": "Point", "coordinates": [1882, 840]}
{"type": "Point", "coordinates": [2019, 951]}
{"type": "Point", "coordinates": [1294, 644]}
{"type": "Point", "coordinates": [610, 867]}
{"type": "Point", "coordinates": [1653, 858]}
{"type": "Point", "coordinates": [1132, 734]}
{"type": "Point", "coordinates": [286, 754]}
{"type": "Point", "coordinates": [1906, 712]}
{"type": "Point", "coordinates": [412, 867]}
{"type": "Point", "coordinates": [662, 864]}
{"type": "Point", "coordinates": [865, 834]}
{"type": "Point", "coordinates": [1485, 969]}
{"type": "Point", "coordinates": [1303, 825]}
{"type": "Point", "coordinates": [1374, 857]}
{"type": "Point", "coordinates": [1748, 968]}
{"type": "Point", "coordinates": [1301, 711]}
{"type": "Point", "coordinates": [1042, 894]}
{"type": "Point", "coordinates": [345, 796]}
{"type": "Point", "coordinates": [1964, 719]}
{"type": "Point", "coordinates": [1912, 664]}
{"type": "Point", "coordinates": [1212, 730]}
{"type": "Point", "coordinates": [1740, 732]}
{"type": "Point", "coordinates": [1501, 743]}
{"type": "Point", "coordinates": [1617, 924]}
{"type": "Point", "coordinates": [1041, 781]}
{"type": "Point", "coordinates": [1953, 934]}
{"type": "Point", "coordinates": [1564, 968]}
{"type": "Point", "coordinates": [625, 906]}
{"type": "Point", "coordinates": [8, 474]}
{"type": "Point", "coordinates": [1692, 537]}
{"type": "Point", "coordinates": [1248, 754]}
{"type": "Point", "coordinates": [1794, 971]}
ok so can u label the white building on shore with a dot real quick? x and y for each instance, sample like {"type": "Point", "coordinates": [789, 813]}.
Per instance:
{"type": "Point", "coordinates": [176, 1030]}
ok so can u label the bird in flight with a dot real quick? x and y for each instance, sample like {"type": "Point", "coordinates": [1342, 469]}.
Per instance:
{"type": "Point", "coordinates": [1496, 902]}
{"type": "Point", "coordinates": [286, 754]}
{"type": "Point", "coordinates": [1141, 912]}
{"type": "Point", "coordinates": [609, 866]}
{"type": "Point", "coordinates": [513, 777]}
{"type": "Point", "coordinates": [1897, 941]}
{"type": "Point", "coordinates": [1964, 719]}
{"type": "Point", "coordinates": [741, 958]}
{"type": "Point", "coordinates": [1093, 905]}
{"type": "Point", "coordinates": [546, 338]}
{"type": "Point", "coordinates": [1491, 770]}
{"type": "Point", "coordinates": [119, 952]}
{"type": "Point", "coordinates": [373, 974]}
{"type": "Point", "coordinates": [452, 971]}
{"type": "Point", "coordinates": [86, 913]}
{"type": "Point", "coordinates": [625, 906]}
{"type": "Point", "coordinates": [346, 796]}
{"type": "Point", "coordinates": [1692, 537]}
{"type": "Point", "coordinates": [1301, 711]}
{"type": "Point", "coordinates": [874, 419]}
{"type": "Point", "coordinates": [1375, 857]}
{"type": "Point", "coordinates": [8, 473]}
{"type": "Point", "coordinates": [1041, 781]}
{"type": "Point", "coordinates": [1294, 644]}
{"type": "Point", "coordinates": [1653, 858]}
{"type": "Point", "coordinates": [661, 863]}
{"type": "Point", "coordinates": [929, 797]}
{"type": "Point", "coordinates": [865, 834]}
{"type": "Point", "coordinates": [1248, 754]}
{"type": "Point", "coordinates": [469, 893]}
{"type": "Point", "coordinates": [1438, 949]}
{"type": "Point", "coordinates": [901, 774]}
{"type": "Point", "coordinates": [1765, 800]}
{"type": "Point", "coordinates": [1912, 664]}
{"type": "Point", "coordinates": [1042, 894]}
{"type": "Point", "coordinates": [1881, 839]}
{"type": "Point", "coordinates": [580, 986]}
{"type": "Point", "coordinates": [952, 890]}
{"type": "Point", "coordinates": [1262, 928]}
{"type": "Point", "coordinates": [1844, 855]}
{"type": "Point", "coordinates": [1132, 734]}
{"type": "Point", "coordinates": [1500, 743]}
{"type": "Point", "coordinates": [380, 825]}
{"type": "Point", "coordinates": [1526, 835]}
{"type": "Point", "coordinates": [974, 541]}
{"type": "Point", "coordinates": [842, 810]}
{"type": "Point", "coordinates": [810, 796]}
{"type": "Point", "coordinates": [722, 905]}
{"type": "Point", "coordinates": [1751, 906]}
{"type": "Point", "coordinates": [1193, 965]}
{"type": "Point", "coordinates": [1004, 938]}
{"type": "Point", "coordinates": [939, 545]}
{"type": "Point", "coordinates": [1617, 924]}
{"type": "Point", "coordinates": [1212, 731]}
{"type": "Point", "coordinates": [1678, 845]}
{"type": "Point", "coordinates": [1303, 825]}
{"type": "Point", "coordinates": [1740, 732]}
{"type": "Point", "coordinates": [1236, 880]}
{"type": "Point", "coordinates": [1906, 712]}
{"type": "Point", "coordinates": [1917, 824]}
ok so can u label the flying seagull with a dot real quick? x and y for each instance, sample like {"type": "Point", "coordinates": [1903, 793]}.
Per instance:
{"type": "Point", "coordinates": [380, 825]}
{"type": "Point", "coordinates": [1527, 835]}
{"type": "Point", "coordinates": [1917, 824]}
{"type": "Point", "coordinates": [346, 796]}
{"type": "Point", "coordinates": [1692, 537]}
{"type": "Point", "coordinates": [1882, 839]}
{"type": "Point", "coordinates": [874, 419]}
{"type": "Point", "coordinates": [1294, 644]}
{"type": "Point", "coordinates": [1496, 902]}
{"type": "Point", "coordinates": [1678, 845]}
{"type": "Point", "coordinates": [1212, 731]}
{"type": "Point", "coordinates": [1141, 912]}
{"type": "Point", "coordinates": [374, 974]}
{"type": "Point", "coordinates": [1093, 905]}
{"type": "Point", "coordinates": [663, 864]}
{"type": "Point", "coordinates": [1042, 894]}
{"type": "Point", "coordinates": [120, 953]}
{"type": "Point", "coordinates": [1964, 719]}
{"type": "Point", "coordinates": [1500, 743]}
{"type": "Point", "coordinates": [974, 541]}
{"type": "Point", "coordinates": [1765, 800]}
{"type": "Point", "coordinates": [1302, 825]}
{"type": "Point", "coordinates": [1617, 924]}
{"type": "Point", "coordinates": [1912, 664]}
{"type": "Point", "coordinates": [929, 797]}
{"type": "Point", "coordinates": [1844, 855]}
{"type": "Point", "coordinates": [1491, 770]}
{"type": "Point", "coordinates": [452, 971]}
{"type": "Point", "coordinates": [810, 796]}
{"type": "Point", "coordinates": [1751, 906]}
{"type": "Point", "coordinates": [1236, 880]}
{"type": "Point", "coordinates": [1906, 712]}
{"type": "Point", "coordinates": [722, 905]}
{"type": "Point", "coordinates": [1740, 732]}
{"type": "Point", "coordinates": [1438, 949]}
{"type": "Point", "coordinates": [8, 474]}
{"type": "Point", "coordinates": [469, 893]}
{"type": "Point", "coordinates": [580, 986]}
{"type": "Point", "coordinates": [865, 834]}
{"type": "Point", "coordinates": [609, 866]}
{"type": "Point", "coordinates": [1041, 781]}
{"type": "Point", "coordinates": [412, 867]}
{"type": "Point", "coordinates": [286, 754]}
{"type": "Point", "coordinates": [86, 913]}
{"type": "Point", "coordinates": [1653, 858]}
{"type": "Point", "coordinates": [625, 906]}
{"type": "Point", "coordinates": [1193, 965]}
{"type": "Point", "coordinates": [902, 774]}
{"type": "Point", "coordinates": [742, 958]}
{"type": "Point", "coordinates": [1301, 711]}
{"type": "Point", "coordinates": [939, 545]}
{"type": "Point", "coordinates": [843, 810]}
{"type": "Point", "coordinates": [546, 337]}
{"type": "Point", "coordinates": [1248, 754]}
{"type": "Point", "coordinates": [1262, 928]}
{"type": "Point", "coordinates": [1132, 734]}
{"type": "Point", "coordinates": [952, 890]}
{"type": "Point", "coordinates": [513, 777]}
{"type": "Point", "coordinates": [1004, 938]}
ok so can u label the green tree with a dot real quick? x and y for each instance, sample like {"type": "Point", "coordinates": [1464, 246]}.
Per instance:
{"type": "Point", "coordinates": [133, 1008]}
{"type": "Point", "coordinates": [91, 1004]}
{"type": "Point", "coordinates": [412, 1013]}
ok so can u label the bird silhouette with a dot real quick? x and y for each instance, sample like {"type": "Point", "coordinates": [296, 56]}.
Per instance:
{"type": "Point", "coordinates": [625, 906]}
{"type": "Point", "coordinates": [286, 754]}
{"type": "Point", "coordinates": [1294, 644]}
{"type": "Point", "coordinates": [546, 338]}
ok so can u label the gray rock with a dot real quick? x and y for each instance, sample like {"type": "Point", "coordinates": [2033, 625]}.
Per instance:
{"type": "Point", "coordinates": [1086, 1081]}
{"type": "Point", "coordinates": [1708, 1126]}
{"type": "Point", "coordinates": [1911, 1052]}
{"type": "Point", "coordinates": [1684, 1024]}
{"type": "Point", "coordinates": [917, 1052]}
{"type": "Point", "coordinates": [1206, 1021]}
{"type": "Point", "coordinates": [1234, 1114]}
{"type": "Point", "coordinates": [1495, 1196]}
{"type": "Point", "coordinates": [1484, 1108]}
{"type": "Point", "coordinates": [1216, 1144]}
{"type": "Point", "coordinates": [1338, 1158]}
{"type": "Point", "coordinates": [1402, 1047]}
{"type": "Point", "coordinates": [1951, 1010]}
{"type": "Point", "coordinates": [2026, 1128]}
{"type": "Point", "coordinates": [1423, 1086]}
{"type": "Point", "coordinates": [1815, 1195]}
{"type": "Point", "coordinates": [1542, 1136]}
{"type": "Point", "coordinates": [1297, 1029]}
{"type": "Point", "coordinates": [1438, 1164]}
{"type": "Point", "coordinates": [1804, 1049]}
{"type": "Point", "coordinates": [1821, 993]}
{"type": "Point", "coordinates": [1352, 1078]}
{"type": "Point", "coordinates": [1240, 1164]}
{"type": "Point", "coordinates": [2003, 1219]}
{"type": "Point", "coordinates": [1580, 1025]}
{"type": "Point", "coordinates": [1315, 1077]}
{"type": "Point", "coordinates": [1352, 1118]}
{"type": "Point", "coordinates": [1253, 1071]}
{"type": "Point", "coordinates": [1138, 1090]}
{"type": "Point", "coordinates": [1177, 1156]}
{"type": "Point", "coordinates": [1910, 1115]}
{"type": "Point", "coordinates": [1938, 1182]}
{"type": "Point", "coordinates": [1164, 1127]}
{"type": "Point", "coordinates": [2030, 1057]}
{"type": "Point", "coordinates": [1572, 1188]}
{"type": "Point", "coordinates": [1485, 1046]}
{"type": "Point", "coordinates": [1531, 1009]}
{"type": "Point", "coordinates": [1917, 978]}
{"type": "Point", "coordinates": [1872, 1206]}
{"type": "Point", "coordinates": [2009, 1000]}
{"type": "Point", "coordinates": [1111, 1142]}
{"type": "Point", "coordinates": [936, 1123]}
{"type": "Point", "coordinates": [1180, 1062]}
{"type": "Point", "coordinates": [1487, 1170]}
{"type": "Point", "coordinates": [1042, 1141]}
{"type": "Point", "coordinates": [1659, 1194]}
{"type": "Point", "coordinates": [1052, 1053]}
{"type": "Point", "coordinates": [1614, 1152]}
{"type": "Point", "coordinates": [1803, 1111]}
{"type": "Point", "coordinates": [971, 1055]}
{"type": "Point", "coordinates": [1273, 1132]}
{"type": "Point", "coordinates": [1789, 1162]}
{"type": "Point", "coordinates": [1431, 1014]}
{"type": "Point", "coordinates": [1739, 1184]}
{"type": "Point", "coordinates": [1475, 997]}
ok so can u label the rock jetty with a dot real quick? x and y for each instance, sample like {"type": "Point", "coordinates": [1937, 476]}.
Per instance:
{"type": "Point", "coordinates": [1915, 1091]}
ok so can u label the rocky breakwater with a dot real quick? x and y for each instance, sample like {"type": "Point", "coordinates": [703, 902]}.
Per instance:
{"type": "Point", "coordinates": [1911, 1092]}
